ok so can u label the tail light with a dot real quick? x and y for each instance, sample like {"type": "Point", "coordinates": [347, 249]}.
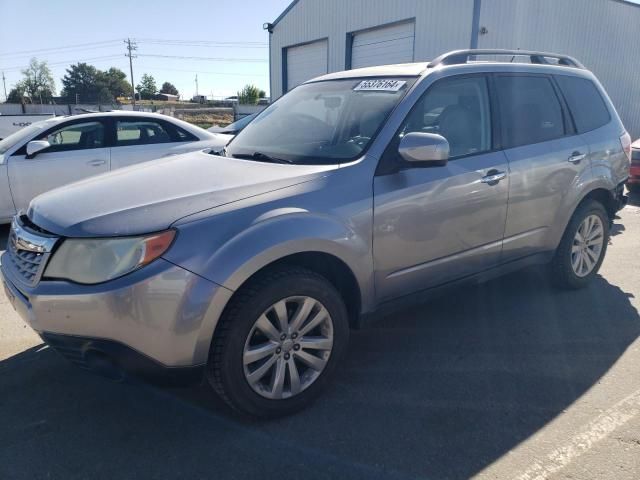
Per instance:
{"type": "Point", "coordinates": [625, 141]}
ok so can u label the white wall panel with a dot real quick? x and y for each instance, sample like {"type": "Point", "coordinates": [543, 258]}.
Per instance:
{"type": "Point", "coordinates": [384, 45]}
{"type": "Point", "coordinates": [440, 25]}
{"type": "Point", "coordinates": [305, 62]}
{"type": "Point", "coordinates": [602, 34]}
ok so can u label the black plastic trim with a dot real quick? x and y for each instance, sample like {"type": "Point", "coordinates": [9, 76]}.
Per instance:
{"type": "Point", "coordinates": [118, 361]}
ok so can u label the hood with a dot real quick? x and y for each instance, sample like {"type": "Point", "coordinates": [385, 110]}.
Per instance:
{"type": "Point", "coordinates": [151, 196]}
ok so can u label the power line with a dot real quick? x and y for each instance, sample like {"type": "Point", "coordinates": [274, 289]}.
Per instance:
{"type": "Point", "coordinates": [203, 45]}
{"type": "Point", "coordinates": [201, 42]}
{"type": "Point", "coordinates": [205, 72]}
{"type": "Point", "coordinates": [210, 59]}
{"type": "Point", "coordinates": [67, 62]}
{"type": "Point", "coordinates": [49, 49]}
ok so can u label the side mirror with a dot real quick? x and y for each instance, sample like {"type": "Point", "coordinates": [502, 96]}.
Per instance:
{"type": "Point", "coordinates": [424, 149]}
{"type": "Point", "coordinates": [36, 146]}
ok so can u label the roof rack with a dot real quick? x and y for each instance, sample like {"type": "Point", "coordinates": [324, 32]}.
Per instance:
{"type": "Point", "coordinates": [458, 57]}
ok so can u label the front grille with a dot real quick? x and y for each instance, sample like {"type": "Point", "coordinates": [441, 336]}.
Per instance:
{"type": "Point", "coordinates": [28, 252]}
{"type": "Point", "coordinates": [27, 264]}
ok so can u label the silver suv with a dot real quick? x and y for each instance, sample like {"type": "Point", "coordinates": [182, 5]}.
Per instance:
{"type": "Point", "coordinates": [353, 193]}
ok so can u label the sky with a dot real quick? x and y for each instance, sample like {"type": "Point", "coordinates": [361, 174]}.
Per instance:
{"type": "Point", "coordinates": [94, 32]}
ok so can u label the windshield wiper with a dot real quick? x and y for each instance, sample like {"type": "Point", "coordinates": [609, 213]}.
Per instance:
{"type": "Point", "coordinates": [262, 157]}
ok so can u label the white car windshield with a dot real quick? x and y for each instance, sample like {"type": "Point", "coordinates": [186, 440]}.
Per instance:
{"type": "Point", "coordinates": [322, 122]}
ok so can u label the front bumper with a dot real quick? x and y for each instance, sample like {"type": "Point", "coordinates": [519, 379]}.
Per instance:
{"type": "Point", "coordinates": [118, 362]}
{"type": "Point", "coordinates": [161, 315]}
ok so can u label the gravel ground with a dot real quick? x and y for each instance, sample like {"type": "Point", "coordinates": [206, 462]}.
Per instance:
{"type": "Point", "coordinates": [508, 380]}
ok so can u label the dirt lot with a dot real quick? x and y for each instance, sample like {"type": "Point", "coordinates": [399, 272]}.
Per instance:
{"type": "Point", "coordinates": [508, 380]}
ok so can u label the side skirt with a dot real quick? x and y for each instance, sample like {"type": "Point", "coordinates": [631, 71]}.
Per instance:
{"type": "Point", "coordinates": [423, 296]}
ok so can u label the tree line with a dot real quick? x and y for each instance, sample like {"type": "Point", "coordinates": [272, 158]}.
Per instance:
{"type": "Point", "coordinates": [82, 83]}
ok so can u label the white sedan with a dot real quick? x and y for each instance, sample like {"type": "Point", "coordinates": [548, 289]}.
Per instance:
{"type": "Point", "coordinates": [61, 150]}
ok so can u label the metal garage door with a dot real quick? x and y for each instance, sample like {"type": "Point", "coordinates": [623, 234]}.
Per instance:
{"type": "Point", "coordinates": [383, 45]}
{"type": "Point", "coordinates": [305, 62]}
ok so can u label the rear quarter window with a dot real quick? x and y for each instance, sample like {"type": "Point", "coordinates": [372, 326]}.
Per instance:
{"type": "Point", "coordinates": [588, 109]}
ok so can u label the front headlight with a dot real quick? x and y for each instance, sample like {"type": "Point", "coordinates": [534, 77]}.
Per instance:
{"type": "Point", "coordinates": [96, 260]}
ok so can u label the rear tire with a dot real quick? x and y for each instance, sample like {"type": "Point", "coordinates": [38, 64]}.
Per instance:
{"type": "Point", "coordinates": [265, 368]}
{"type": "Point", "coordinates": [582, 248]}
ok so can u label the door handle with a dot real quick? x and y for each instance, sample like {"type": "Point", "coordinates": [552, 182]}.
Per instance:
{"type": "Point", "coordinates": [577, 157]}
{"type": "Point", "coordinates": [493, 176]}
{"type": "Point", "coordinates": [96, 163]}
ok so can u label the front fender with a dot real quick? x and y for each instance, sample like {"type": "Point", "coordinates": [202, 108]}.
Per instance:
{"type": "Point", "coordinates": [230, 249]}
{"type": "Point", "coordinates": [229, 258]}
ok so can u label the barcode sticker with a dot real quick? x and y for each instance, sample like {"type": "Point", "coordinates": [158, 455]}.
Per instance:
{"type": "Point", "coordinates": [380, 85]}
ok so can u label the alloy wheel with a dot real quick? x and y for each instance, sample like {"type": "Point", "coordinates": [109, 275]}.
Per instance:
{"type": "Point", "coordinates": [288, 347]}
{"type": "Point", "coordinates": [587, 245]}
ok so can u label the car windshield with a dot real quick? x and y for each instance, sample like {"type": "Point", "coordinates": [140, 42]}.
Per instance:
{"type": "Point", "coordinates": [23, 134]}
{"type": "Point", "coordinates": [240, 124]}
{"type": "Point", "coordinates": [321, 123]}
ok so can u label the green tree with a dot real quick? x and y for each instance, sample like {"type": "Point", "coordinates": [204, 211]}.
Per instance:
{"type": "Point", "coordinates": [16, 94]}
{"type": "Point", "coordinates": [249, 94]}
{"type": "Point", "coordinates": [262, 94]}
{"type": "Point", "coordinates": [81, 82]}
{"type": "Point", "coordinates": [114, 81]}
{"type": "Point", "coordinates": [147, 87]}
{"type": "Point", "coordinates": [86, 83]}
{"type": "Point", "coordinates": [38, 82]}
{"type": "Point", "coordinates": [169, 88]}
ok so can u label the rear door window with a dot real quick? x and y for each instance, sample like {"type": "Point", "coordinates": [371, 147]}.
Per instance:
{"type": "Point", "coordinates": [585, 102]}
{"type": "Point", "coordinates": [140, 132]}
{"type": "Point", "coordinates": [530, 110]}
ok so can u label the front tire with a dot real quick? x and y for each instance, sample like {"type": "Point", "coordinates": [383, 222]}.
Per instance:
{"type": "Point", "coordinates": [582, 248]}
{"type": "Point", "coordinates": [278, 343]}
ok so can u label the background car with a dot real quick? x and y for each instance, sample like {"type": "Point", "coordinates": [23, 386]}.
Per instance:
{"type": "Point", "coordinates": [61, 150]}
{"type": "Point", "coordinates": [235, 127]}
{"type": "Point", "coordinates": [633, 184]}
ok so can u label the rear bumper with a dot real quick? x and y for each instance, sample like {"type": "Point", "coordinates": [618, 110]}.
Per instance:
{"type": "Point", "coordinates": [634, 173]}
{"type": "Point", "coordinates": [619, 198]}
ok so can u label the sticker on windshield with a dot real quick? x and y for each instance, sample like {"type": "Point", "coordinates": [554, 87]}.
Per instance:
{"type": "Point", "coordinates": [380, 85]}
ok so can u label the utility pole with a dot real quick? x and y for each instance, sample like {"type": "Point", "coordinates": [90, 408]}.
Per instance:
{"type": "Point", "coordinates": [131, 46]}
{"type": "Point", "coordinates": [196, 84]}
{"type": "Point", "coordinates": [4, 84]}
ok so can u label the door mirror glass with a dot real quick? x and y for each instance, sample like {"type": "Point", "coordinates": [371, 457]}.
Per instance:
{"type": "Point", "coordinates": [36, 146]}
{"type": "Point", "coordinates": [424, 149]}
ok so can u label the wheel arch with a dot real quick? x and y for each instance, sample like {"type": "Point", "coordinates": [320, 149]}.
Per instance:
{"type": "Point", "coordinates": [603, 196]}
{"type": "Point", "coordinates": [598, 192]}
{"type": "Point", "coordinates": [330, 266]}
